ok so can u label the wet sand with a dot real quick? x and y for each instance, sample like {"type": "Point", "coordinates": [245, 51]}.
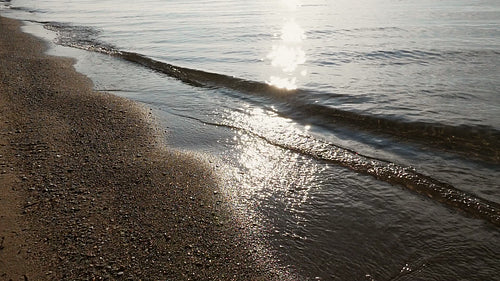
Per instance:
{"type": "Point", "coordinates": [88, 192]}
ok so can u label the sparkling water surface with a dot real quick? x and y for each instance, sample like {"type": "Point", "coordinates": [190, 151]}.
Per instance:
{"type": "Point", "coordinates": [410, 61]}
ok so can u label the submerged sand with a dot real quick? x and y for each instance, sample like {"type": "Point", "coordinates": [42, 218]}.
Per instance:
{"type": "Point", "coordinates": [88, 193]}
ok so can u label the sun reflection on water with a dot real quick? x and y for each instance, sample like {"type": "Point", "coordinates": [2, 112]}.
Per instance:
{"type": "Point", "coordinates": [268, 171]}
{"type": "Point", "coordinates": [292, 4]}
{"type": "Point", "coordinates": [287, 55]}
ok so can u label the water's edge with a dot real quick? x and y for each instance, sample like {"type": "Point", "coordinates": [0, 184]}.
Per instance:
{"type": "Point", "coordinates": [476, 142]}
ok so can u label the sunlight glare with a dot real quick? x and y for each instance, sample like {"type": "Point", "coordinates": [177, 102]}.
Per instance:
{"type": "Point", "coordinates": [287, 58]}
{"type": "Point", "coordinates": [292, 33]}
{"type": "Point", "coordinates": [283, 83]}
{"type": "Point", "coordinates": [292, 4]}
{"type": "Point", "coordinates": [287, 55]}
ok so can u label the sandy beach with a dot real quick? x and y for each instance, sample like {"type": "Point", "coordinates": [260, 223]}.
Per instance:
{"type": "Point", "coordinates": [88, 192]}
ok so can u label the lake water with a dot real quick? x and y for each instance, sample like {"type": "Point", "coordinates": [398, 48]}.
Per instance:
{"type": "Point", "coordinates": [356, 140]}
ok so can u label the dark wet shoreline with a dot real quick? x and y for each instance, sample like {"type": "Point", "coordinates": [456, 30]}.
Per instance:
{"type": "Point", "coordinates": [100, 197]}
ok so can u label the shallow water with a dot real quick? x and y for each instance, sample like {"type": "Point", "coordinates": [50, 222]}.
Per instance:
{"type": "Point", "coordinates": [392, 97]}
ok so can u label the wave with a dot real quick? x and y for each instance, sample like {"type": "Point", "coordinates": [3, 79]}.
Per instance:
{"type": "Point", "coordinates": [472, 141]}
{"type": "Point", "coordinates": [5, 4]}
{"type": "Point", "coordinates": [381, 170]}
{"type": "Point", "coordinates": [405, 56]}
{"type": "Point", "coordinates": [334, 30]}
{"type": "Point", "coordinates": [476, 142]}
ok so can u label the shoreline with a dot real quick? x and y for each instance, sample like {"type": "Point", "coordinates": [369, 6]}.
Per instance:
{"type": "Point", "coordinates": [89, 193]}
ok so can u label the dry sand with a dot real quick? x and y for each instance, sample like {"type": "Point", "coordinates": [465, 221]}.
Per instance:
{"type": "Point", "coordinates": [88, 193]}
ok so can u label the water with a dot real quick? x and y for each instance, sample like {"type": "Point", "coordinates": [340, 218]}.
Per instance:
{"type": "Point", "coordinates": [380, 161]}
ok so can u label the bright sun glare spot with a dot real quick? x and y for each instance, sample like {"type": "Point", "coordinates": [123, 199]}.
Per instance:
{"type": "Point", "coordinates": [287, 58]}
{"type": "Point", "coordinates": [292, 33]}
{"type": "Point", "coordinates": [283, 83]}
{"type": "Point", "coordinates": [287, 55]}
{"type": "Point", "coordinates": [292, 4]}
